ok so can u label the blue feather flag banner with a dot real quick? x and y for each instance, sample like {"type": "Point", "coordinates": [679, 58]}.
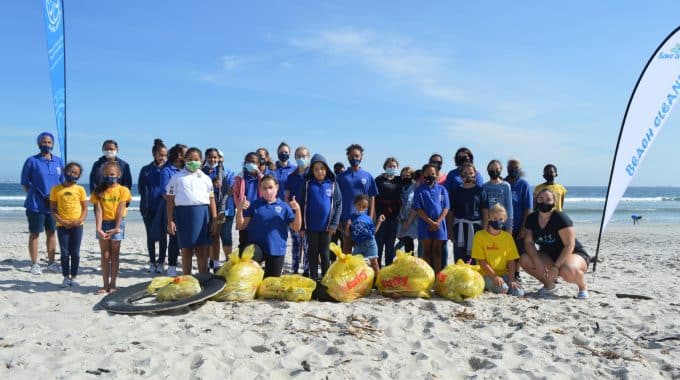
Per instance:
{"type": "Point", "coordinates": [53, 11]}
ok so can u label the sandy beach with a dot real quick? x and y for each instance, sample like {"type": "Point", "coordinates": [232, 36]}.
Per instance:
{"type": "Point", "coordinates": [50, 332]}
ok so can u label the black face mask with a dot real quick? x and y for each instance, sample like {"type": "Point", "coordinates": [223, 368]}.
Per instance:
{"type": "Point", "coordinates": [468, 178]}
{"type": "Point", "coordinates": [262, 161]}
{"type": "Point", "coordinates": [437, 165]}
{"type": "Point", "coordinates": [460, 160]}
{"type": "Point", "coordinates": [494, 174]}
{"type": "Point", "coordinates": [430, 180]}
{"type": "Point", "coordinates": [406, 181]}
{"type": "Point", "coordinates": [514, 173]}
{"type": "Point", "coordinates": [549, 177]}
{"type": "Point", "coordinates": [283, 157]}
{"type": "Point", "coordinates": [545, 207]}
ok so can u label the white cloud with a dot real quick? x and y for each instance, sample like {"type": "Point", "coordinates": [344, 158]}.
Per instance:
{"type": "Point", "coordinates": [231, 62]}
{"type": "Point", "coordinates": [391, 56]}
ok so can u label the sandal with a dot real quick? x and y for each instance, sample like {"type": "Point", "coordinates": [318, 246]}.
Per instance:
{"type": "Point", "coordinates": [102, 291]}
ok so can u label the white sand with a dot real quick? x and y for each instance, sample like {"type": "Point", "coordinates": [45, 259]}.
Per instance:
{"type": "Point", "coordinates": [49, 332]}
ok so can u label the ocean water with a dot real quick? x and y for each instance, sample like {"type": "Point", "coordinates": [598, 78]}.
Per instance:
{"type": "Point", "coordinates": [583, 204]}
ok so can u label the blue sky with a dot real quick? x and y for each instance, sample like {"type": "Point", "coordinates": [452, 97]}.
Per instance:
{"type": "Point", "coordinates": [541, 81]}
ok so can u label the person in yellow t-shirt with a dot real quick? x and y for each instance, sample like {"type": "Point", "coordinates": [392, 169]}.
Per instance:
{"type": "Point", "coordinates": [68, 203]}
{"type": "Point", "coordinates": [110, 207]}
{"type": "Point", "coordinates": [495, 251]}
{"type": "Point", "coordinates": [549, 174]}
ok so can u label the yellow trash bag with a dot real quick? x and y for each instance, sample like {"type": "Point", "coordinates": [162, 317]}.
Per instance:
{"type": "Point", "coordinates": [180, 288]}
{"type": "Point", "coordinates": [459, 281]}
{"type": "Point", "coordinates": [157, 283]}
{"type": "Point", "coordinates": [289, 287]}
{"type": "Point", "coordinates": [349, 277]}
{"type": "Point", "coordinates": [407, 276]}
{"type": "Point", "coordinates": [243, 276]}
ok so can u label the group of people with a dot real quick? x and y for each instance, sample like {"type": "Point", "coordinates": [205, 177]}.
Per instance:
{"type": "Point", "coordinates": [190, 202]}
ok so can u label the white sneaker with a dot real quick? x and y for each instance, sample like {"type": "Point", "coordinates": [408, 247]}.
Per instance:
{"type": "Point", "coordinates": [152, 268]}
{"type": "Point", "coordinates": [160, 267]}
{"type": "Point", "coordinates": [35, 269]}
{"type": "Point", "coordinates": [53, 267]}
{"type": "Point", "coordinates": [74, 283]}
{"type": "Point", "coordinates": [66, 283]}
{"type": "Point", "coordinates": [172, 271]}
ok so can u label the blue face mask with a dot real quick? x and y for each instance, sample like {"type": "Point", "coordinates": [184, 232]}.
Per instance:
{"type": "Point", "coordinates": [44, 149]}
{"type": "Point", "coordinates": [391, 172]}
{"type": "Point", "coordinates": [354, 162]}
{"type": "Point", "coordinates": [497, 225]}
{"type": "Point", "coordinates": [250, 167]}
{"type": "Point", "coordinates": [70, 178]}
{"type": "Point", "coordinates": [302, 162]}
{"type": "Point", "coordinates": [109, 180]}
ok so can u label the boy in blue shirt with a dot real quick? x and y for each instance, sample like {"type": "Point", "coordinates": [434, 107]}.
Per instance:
{"type": "Point", "coordinates": [362, 230]}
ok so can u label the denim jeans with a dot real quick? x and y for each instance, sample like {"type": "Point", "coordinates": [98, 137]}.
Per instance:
{"type": "Point", "coordinates": [69, 246]}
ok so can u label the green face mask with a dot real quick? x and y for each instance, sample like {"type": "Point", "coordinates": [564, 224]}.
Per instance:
{"type": "Point", "coordinates": [192, 166]}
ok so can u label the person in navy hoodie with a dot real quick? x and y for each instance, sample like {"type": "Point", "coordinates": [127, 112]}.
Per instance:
{"type": "Point", "coordinates": [110, 153]}
{"type": "Point", "coordinates": [352, 182]}
{"type": "Point", "coordinates": [267, 221]}
{"type": "Point", "coordinates": [321, 204]}
{"type": "Point", "coordinates": [151, 193]}
{"type": "Point", "coordinates": [294, 184]}
{"type": "Point", "coordinates": [39, 175]}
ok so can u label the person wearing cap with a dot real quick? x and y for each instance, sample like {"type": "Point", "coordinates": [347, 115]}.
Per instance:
{"type": "Point", "coordinates": [40, 173]}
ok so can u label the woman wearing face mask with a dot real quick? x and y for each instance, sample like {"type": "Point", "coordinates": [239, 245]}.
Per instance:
{"type": "Point", "coordinates": [437, 160]}
{"type": "Point", "coordinates": [522, 200]}
{"type": "Point", "coordinates": [39, 175]}
{"type": "Point", "coordinates": [294, 185]}
{"type": "Point", "coordinates": [212, 167]}
{"type": "Point", "coordinates": [549, 174]}
{"type": "Point", "coordinates": [388, 203]}
{"type": "Point", "coordinates": [431, 202]}
{"type": "Point", "coordinates": [246, 188]}
{"type": "Point", "coordinates": [267, 167]}
{"type": "Point", "coordinates": [559, 253]}
{"type": "Point", "coordinates": [496, 191]}
{"type": "Point", "coordinates": [453, 179]}
{"type": "Point", "coordinates": [174, 164]}
{"type": "Point", "coordinates": [284, 167]}
{"type": "Point", "coordinates": [191, 198]}
{"type": "Point", "coordinates": [110, 154]}
{"type": "Point", "coordinates": [352, 182]}
{"type": "Point", "coordinates": [151, 193]}
{"type": "Point", "coordinates": [268, 219]}
{"type": "Point", "coordinates": [466, 215]}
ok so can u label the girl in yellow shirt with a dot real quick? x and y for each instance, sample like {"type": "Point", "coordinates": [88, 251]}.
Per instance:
{"type": "Point", "coordinates": [110, 207]}
{"type": "Point", "coordinates": [68, 203]}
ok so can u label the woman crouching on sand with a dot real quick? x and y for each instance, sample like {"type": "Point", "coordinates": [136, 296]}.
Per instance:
{"type": "Point", "coordinates": [559, 253]}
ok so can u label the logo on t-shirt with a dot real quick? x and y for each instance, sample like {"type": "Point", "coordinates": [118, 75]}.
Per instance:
{"type": "Point", "coordinates": [363, 181]}
{"type": "Point", "coordinates": [492, 247]}
{"type": "Point", "coordinates": [329, 192]}
{"type": "Point", "coordinates": [278, 209]}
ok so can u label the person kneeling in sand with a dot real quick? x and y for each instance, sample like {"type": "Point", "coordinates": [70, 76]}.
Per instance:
{"type": "Point", "coordinates": [559, 252]}
{"type": "Point", "coordinates": [495, 251]}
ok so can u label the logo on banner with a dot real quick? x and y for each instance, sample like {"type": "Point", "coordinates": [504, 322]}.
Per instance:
{"type": "Point", "coordinates": [53, 14]}
{"type": "Point", "coordinates": [674, 53]}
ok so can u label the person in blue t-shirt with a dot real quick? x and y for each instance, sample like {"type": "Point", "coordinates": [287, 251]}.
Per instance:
{"type": "Point", "coordinates": [283, 168]}
{"type": "Point", "coordinates": [151, 193]}
{"type": "Point", "coordinates": [321, 205]}
{"type": "Point", "coordinates": [431, 202]}
{"type": "Point", "coordinates": [267, 221]}
{"type": "Point", "coordinates": [496, 191]}
{"type": "Point", "coordinates": [361, 230]}
{"type": "Point", "coordinates": [39, 175]}
{"type": "Point", "coordinates": [352, 182]}
{"type": "Point", "coordinates": [294, 184]}
{"type": "Point", "coordinates": [522, 201]}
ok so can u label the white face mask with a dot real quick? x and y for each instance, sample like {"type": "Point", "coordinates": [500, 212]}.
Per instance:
{"type": "Point", "coordinates": [109, 153]}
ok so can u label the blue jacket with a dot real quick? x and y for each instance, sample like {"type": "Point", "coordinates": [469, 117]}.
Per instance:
{"type": "Point", "coordinates": [336, 201]}
{"type": "Point", "coordinates": [96, 173]}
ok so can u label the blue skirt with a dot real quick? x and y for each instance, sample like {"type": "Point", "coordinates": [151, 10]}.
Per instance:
{"type": "Point", "coordinates": [192, 226]}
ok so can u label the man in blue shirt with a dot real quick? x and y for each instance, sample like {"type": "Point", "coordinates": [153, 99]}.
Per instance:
{"type": "Point", "coordinates": [352, 182]}
{"type": "Point", "coordinates": [39, 175]}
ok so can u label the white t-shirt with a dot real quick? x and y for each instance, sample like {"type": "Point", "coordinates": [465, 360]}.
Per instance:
{"type": "Point", "coordinates": [190, 189]}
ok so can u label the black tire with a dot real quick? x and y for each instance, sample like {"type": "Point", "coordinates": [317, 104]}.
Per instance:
{"type": "Point", "coordinates": [123, 300]}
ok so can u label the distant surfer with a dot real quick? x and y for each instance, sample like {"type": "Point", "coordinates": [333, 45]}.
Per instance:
{"type": "Point", "coordinates": [636, 218]}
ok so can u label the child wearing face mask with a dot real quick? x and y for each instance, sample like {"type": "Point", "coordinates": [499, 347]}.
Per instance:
{"type": "Point", "coordinates": [191, 199]}
{"type": "Point", "coordinates": [246, 186]}
{"type": "Point", "coordinates": [110, 201]}
{"type": "Point", "coordinates": [284, 167]}
{"type": "Point", "coordinates": [431, 202]}
{"type": "Point", "coordinates": [549, 174]}
{"type": "Point", "coordinates": [68, 203]}
{"type": "Point", "coordinates": [465, 216]}
{"type": "Point", "coordinates": [173, 166]}
{"type": "Point", "coordinates": [214, 169]}
{"type": "Point", "coordinates": [495, 251]}
{"type": "Point", "coordinates": [496, 191]}
{"type": "Point", "coordinates": [294, 184]}
{"type": "Point", "coordinates": [408, 230]}
{"type": "Point", "coordinates": [362, 231]}
{"type": "Point", "coordinates": [110, 154]}
{"type": "Point", "coordinates": [267, 220]}
{"type": "Point", "coordinates": [151, 193]}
